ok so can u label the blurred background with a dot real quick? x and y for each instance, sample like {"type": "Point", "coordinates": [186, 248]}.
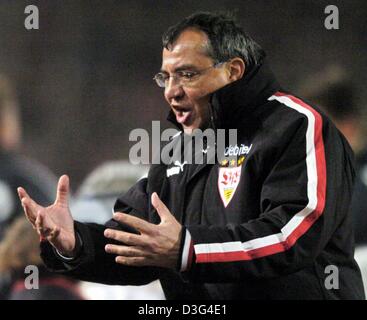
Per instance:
{"type": "Point", "coordinates": [84, 79]}
{"type": "Point", "coordinates": [71, 92]}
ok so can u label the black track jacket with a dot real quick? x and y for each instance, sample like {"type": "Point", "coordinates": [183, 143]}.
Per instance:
{"type": "Point", "coordinates": [272, 223]}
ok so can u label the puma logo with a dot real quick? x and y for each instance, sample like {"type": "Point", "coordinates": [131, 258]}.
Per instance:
{"type": "Point", "coordinates": [176, 170]}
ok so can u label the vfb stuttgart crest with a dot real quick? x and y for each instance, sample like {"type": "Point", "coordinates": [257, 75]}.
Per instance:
{"type": "Point", "coordinates": [227, 183]}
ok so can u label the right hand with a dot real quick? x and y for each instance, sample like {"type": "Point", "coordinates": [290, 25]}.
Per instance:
{"type": "Point", "coordinates": [53, 223]}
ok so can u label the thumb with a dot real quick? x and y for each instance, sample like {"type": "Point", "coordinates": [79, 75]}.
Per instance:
{"type": "Point", "coordinates": [161, 208]}
{"type": "Point", "coordinates": [62, 191]}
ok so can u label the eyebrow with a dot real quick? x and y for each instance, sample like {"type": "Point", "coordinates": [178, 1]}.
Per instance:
{"type": "Point", "coordinates": [183, 67]}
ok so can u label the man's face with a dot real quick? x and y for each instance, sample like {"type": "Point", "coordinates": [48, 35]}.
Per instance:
{"type": "Point", "coordinates": [190, 101]}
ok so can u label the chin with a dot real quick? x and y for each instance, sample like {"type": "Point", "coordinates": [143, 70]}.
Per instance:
{"type": "Point", "coordinates": [200, 125]}
{"type": "Point", "coordinates": [188, 130]}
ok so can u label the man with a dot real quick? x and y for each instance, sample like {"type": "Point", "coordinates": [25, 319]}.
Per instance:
{"type": "Point", "coordinates": [266, 224]}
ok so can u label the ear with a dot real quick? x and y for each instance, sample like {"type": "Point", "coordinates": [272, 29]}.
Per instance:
{"type": "Point", "coordinates": [236, 69]}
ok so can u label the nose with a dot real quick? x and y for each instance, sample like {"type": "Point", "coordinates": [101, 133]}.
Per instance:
{"type": "Point", "coordinates": [173, 90]}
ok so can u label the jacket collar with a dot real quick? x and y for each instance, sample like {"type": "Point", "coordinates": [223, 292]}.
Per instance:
{"type": "Point", "coordinates": [230, 103]}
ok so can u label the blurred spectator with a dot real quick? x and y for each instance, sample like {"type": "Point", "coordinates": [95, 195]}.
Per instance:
{"type": "Point", "coordinates": [20, 248]}
{"type": "Point", "coordinates": [93, 202]}
{"type": "Point", "coordinates": [334, 92]}
{"type": "Point", "coordinates": [16, 170]}
{"type": "Point", "coordinates": [98, 192]}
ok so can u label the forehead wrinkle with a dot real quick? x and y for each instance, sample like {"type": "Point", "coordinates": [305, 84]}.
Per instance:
{"type": "Point", "coordinates": [201, 47]}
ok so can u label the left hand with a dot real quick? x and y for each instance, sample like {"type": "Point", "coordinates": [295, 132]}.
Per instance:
{"type": "Point", "coordinates": [156, 245]}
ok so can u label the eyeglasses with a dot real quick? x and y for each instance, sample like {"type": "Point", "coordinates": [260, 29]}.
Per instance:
{"type": "Point", "coordinates": [183, 78]}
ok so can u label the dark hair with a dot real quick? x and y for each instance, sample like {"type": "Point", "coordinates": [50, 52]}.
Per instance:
{"type": "Point", "coordinates": [333, 91]}
{"type": "Point", "coordinates": [227, 39]}
{"type": "Point", "coordinates": [338, 100]}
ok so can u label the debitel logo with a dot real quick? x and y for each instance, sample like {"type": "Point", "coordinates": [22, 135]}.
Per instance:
{"type": "Point", "coordinates": [236, 150]}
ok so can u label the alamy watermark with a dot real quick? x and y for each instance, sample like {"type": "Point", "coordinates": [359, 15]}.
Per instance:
{"type": "Point", "coordinates": [201, 146]}
{"type": "Point", "coordinates": [332, 280]}
{"type": "Point", "coordinates": [332, 20]}
{"type": "Point", "coordinates": [31, 22]}
{"type": "Point", "coordinates": [31, 281]}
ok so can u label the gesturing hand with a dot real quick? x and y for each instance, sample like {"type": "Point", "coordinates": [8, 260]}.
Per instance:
{"type": "Point", "coordinates": [54, 223]}
{"type": "Point", "coordinates": [156, 245]}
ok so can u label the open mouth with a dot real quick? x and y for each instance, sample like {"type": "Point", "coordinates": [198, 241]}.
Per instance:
{"type": "Point", "coordinates": [183, 114]}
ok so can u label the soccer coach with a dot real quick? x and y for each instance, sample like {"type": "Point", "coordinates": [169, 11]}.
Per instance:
{"type": "Point", "coordinates": [266, 224]}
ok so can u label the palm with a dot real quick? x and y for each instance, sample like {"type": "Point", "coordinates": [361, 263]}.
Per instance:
{"type": "Point", "coordinates": [54, 223]}
{"type": "Point", "coordinates": [59, 217]}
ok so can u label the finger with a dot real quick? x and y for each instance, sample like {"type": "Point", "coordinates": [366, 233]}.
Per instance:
{"type": "Point", "coordinates": [42, 229]}
{"type": "Point", "coordinates": [126, 237]}
{"type": "Point", "coordinates": [24, 196]}
{"type": "Point", "coordinates": [29, 217]}
{"type": "Point", "coordinates": [137, 223]}
{"type": "Point", "coordinates": [161, 208]}
{"type": "Point", "coordinates": [22, 193]}
{"type": "Point", "coordinates": [30, 209]}
{"type": "Point", "coordinates": [39, 225]}
{"type": "Point", "coordinates": [53, 234]}
{"type": "Point", "coordinates": [31, 204]}
{"type": "Point", "coordinates": [132, 261]}
{"type": "Point", "coordinates": [125, 251]}
{"type": "Point", "coordinates": [62, 191]}
{"type": "Point", "coordinates": [49, 235]}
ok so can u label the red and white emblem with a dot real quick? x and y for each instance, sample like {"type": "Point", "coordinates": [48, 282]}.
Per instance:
{"type": "Point", "coordinates": [228, 180]}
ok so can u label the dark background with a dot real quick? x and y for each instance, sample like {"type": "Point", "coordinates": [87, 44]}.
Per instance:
{"type": "Point", "coordinates": [84, 79]}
